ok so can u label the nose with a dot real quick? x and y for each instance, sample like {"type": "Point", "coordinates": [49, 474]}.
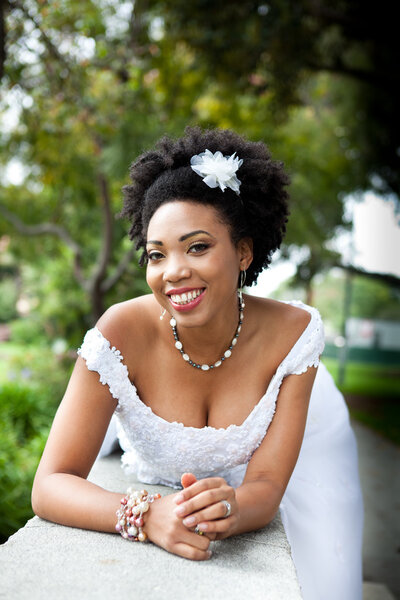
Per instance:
{"type": "Point", "coordinates": [176, 269]}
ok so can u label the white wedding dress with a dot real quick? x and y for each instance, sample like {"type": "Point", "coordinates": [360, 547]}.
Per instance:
{"type": "Point", "coordinates": [322, 508]}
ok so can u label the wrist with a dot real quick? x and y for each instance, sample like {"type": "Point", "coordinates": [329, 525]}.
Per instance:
{"type": "Point", "coordinates": [130, 515]}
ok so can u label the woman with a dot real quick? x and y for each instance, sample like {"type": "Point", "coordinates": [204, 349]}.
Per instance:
{"type": "Point", "coordinates": [207, 382]}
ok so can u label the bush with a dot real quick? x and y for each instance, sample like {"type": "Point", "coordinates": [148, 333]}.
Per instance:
{"type": "Point", "coordinates": [27, 408]}
{"type": "Point", "coordinates": [26, 417]}
{"type": "Point", "coordinates": [27, 331]}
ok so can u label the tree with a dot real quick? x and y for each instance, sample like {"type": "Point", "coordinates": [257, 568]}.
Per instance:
{"type": "Point", "coordinates": [273, 48]}
{"type": "Point", "coordinates": [89, 103]}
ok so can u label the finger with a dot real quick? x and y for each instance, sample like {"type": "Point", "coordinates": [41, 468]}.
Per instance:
{"type": "Point", "coordinates": [190, 552]}
{"type": "Point", "coordinates": [210, 513]}
{"type": "Point", "coordinates": [188, 479]}
{"type": "Point", "coordinates": [202, 500]}
{"type": "Point", "coordinates": [191, 538]}
{"type": "Point", "coordinates": [217, 526]}
{"type": "Point", "coordinates": [199, 486]}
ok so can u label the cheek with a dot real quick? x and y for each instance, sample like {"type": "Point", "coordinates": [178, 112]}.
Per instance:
{"type": "Point", "coordinates": [152, 279]}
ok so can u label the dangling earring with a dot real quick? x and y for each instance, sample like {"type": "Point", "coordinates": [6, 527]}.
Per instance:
{"type": "Point", "coordinates": [163, 311]}
{"type": "Point", "coordinates": [242, 281]}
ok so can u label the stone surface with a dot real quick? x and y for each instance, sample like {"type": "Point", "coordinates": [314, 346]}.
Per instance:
{"type": "Point", "coordinates": [379, 461]}
{"type": "Point", "coordinates": [44, 560]}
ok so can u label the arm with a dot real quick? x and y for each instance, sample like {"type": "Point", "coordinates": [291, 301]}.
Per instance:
{"type": "Point", "coordinates": [61, 492]}
{"type": "Point", "coordinates": [256, 501]}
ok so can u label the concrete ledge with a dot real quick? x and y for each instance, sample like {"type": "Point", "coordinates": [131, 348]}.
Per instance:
{"type": "Point", "coordinates": [45, 560]}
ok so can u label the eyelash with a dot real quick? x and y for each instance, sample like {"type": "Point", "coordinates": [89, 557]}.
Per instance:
{"type": "Point", "coordinates": [154, 256]}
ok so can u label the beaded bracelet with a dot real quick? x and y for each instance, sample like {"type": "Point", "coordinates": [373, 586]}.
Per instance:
{"type": "Point", "coordinates": [130, 514]}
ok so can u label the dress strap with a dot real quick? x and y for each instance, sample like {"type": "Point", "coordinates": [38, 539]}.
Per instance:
{"type": "Point", "coordinates": [306, 352]}
{"type": "Point", "coordinates": [96, 350]}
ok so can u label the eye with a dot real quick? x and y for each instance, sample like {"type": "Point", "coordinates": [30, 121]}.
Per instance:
{"type": "Point", "coordinates": [198, 247]}
{"type": "Point", "coordinates": [153, 256]}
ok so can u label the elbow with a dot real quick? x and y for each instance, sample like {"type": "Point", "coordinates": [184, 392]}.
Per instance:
{"type": "Point", "coordinates": [37, 498]}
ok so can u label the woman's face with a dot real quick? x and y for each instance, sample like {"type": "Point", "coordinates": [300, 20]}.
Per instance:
{"type": "Point", "coordinates": [193, 265]}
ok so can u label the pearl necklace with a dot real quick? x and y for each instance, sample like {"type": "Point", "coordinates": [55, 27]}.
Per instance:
{"type": "Point", "coordinates": [227, 353]}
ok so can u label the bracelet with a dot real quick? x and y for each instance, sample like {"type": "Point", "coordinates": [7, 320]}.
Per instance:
{"type": "Point", "coordinates": [130, 514]}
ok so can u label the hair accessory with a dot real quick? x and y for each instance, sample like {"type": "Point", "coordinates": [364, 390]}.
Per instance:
{"type": "Point", "coordinates": [227, 353]}
{"type": "Point", "coordinates": [130, 514]}
{"type": "Point", "coordinates": [217, 170]}
{"type": "Point", "coordinates": [228, 508]}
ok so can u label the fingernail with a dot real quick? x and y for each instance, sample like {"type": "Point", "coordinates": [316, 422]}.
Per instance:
{"type": "Point", "coordinates": [179, 511]}
{"type": "Point", "coordinates": [209, 554]}
{"type": "Point", "coordinates": [203, 526]}
{"type": "Point", "coordinates": [180, 498]}
{"type": "Point", "coordinates": [189, 521]}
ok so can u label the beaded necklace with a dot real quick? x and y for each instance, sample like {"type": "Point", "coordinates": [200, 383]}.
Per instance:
{"type": "Point", "coordinates": [227, 353]}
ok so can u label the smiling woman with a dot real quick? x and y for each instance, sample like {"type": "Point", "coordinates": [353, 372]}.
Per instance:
{"type": "Point", "coordinates": [222, 399]}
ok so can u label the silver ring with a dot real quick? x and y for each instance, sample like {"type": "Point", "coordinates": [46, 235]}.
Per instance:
{"type": "Point", "coordinates": [228, 508]}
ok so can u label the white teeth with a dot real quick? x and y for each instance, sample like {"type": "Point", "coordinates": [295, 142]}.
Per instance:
{"type": "Point", "coordinates": [185, 298]}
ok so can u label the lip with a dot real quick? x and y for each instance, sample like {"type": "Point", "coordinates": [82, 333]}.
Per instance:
{"type": "Point", "coordinates": [190, 305]}
{"type": "Point", "coordinates": [183, 290]}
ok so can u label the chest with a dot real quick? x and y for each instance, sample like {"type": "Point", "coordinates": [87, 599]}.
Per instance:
{"type": "Point", "coordinates": [176, 391]}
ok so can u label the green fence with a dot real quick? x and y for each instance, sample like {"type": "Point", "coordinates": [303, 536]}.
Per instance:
{"type": "Point", "coordinates": [375, 356]}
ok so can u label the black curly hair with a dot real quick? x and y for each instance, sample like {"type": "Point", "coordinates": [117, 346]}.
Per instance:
{"type": "Point", "coordinates": [164, 174]}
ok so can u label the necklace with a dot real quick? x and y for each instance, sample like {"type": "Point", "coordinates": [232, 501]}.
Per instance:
{"type": "Point", "coordinates": [227, 353]}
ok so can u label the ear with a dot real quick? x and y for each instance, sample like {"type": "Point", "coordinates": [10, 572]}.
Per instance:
{"type": "Point", "coordinates": [245, 253]}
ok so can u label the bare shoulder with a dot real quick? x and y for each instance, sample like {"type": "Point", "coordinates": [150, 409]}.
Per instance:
{"type": "Point", "coordinates": [129, 320]}
{"type": "Point", "coordinates": [285, 322]}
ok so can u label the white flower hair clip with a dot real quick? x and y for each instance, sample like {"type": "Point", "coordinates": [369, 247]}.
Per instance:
{"type": "Point", "coordinates": [217, 170]}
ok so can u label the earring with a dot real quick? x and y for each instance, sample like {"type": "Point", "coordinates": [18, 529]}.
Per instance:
{"type": "Point", "coordinates": [242, 281]}
{"type": "Point", "coordinates": [163, 311]}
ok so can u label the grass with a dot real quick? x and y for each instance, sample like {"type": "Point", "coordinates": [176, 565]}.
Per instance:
{"type": "Point", "coordinates": [372, 393]}
{"type": "Point", "coordinates": [367, 380]}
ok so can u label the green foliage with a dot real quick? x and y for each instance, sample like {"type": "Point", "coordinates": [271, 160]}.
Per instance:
{"type": "Point", "coordinates": [8, 299]}
{"type": "Point", "coordinates": [26, 414]}
{"type": "Point", "coordinates": [31, 388]}
{"type": "Point", "coordinates": [26, 331]}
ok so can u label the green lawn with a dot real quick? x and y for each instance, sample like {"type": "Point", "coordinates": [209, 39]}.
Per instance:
{"type": "Point", "coordinates": [372, 393]}
{"type": "Point", "coordinates": [367, 380]}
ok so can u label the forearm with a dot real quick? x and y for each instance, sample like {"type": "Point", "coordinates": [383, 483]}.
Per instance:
{"type": "Point", "coordinates": [258, 502]}
{"type": "Point", "coordinates": [71, 500]}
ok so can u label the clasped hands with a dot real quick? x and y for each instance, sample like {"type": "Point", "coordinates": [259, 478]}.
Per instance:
{"type": "Point", "coordinates": [173, 519]}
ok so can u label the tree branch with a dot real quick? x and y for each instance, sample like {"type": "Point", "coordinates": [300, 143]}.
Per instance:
{"type": "Point", "coordinates": [47, 41]}
{"type": "Point", "coordinates": [119, 270]}
{"type": "Point", "coordinates": [52, 229]}
{"type": "Point", "coordinates": [105, 249]}
{"type": "Point", "coordinates": [391, 280]}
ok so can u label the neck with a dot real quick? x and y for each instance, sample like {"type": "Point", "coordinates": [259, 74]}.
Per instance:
{"type": "Point", "coordinates": [208, 343]}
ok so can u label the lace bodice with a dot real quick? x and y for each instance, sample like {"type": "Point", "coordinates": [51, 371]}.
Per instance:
{"type": "Point", "coordinates": [159, 451]}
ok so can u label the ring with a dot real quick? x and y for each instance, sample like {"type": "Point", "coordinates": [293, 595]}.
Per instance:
{"type": "Point", "coordinates": [228, 508]}
{"type": "Point", "coordinates": [197, 530]}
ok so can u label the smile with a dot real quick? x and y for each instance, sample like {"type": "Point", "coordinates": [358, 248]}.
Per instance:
{"type": "Point", "coordinates": [186, 297]}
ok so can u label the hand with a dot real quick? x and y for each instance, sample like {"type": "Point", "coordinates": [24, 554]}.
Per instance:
{"type": "Point", "coordinates": [166, 529]}
{"type": "Point", "coordinates": [200, 504]}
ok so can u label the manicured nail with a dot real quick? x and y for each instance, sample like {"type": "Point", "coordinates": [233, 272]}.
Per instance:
{"type": "Point", "coordinates": [189, 521]}
{"type": "Point", "coordinates": [180, 498]}
{"type": "Point", "coordinates": [203, 526]}
{"type": "Point", "coordinates": [179, 511]}
{"type": "Point", "coordinates": [209, 554]}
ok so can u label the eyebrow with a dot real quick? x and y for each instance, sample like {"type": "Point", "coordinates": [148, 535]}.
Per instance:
{"type": "Point", "coordinates": [182, 238]}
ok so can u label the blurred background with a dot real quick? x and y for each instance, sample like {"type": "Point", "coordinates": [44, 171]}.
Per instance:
{"type": "Point", "coordinates": [87, 86]}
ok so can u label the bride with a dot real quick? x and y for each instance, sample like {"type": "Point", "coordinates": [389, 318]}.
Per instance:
{"type": "Point", "coordinates": [215, 393]}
